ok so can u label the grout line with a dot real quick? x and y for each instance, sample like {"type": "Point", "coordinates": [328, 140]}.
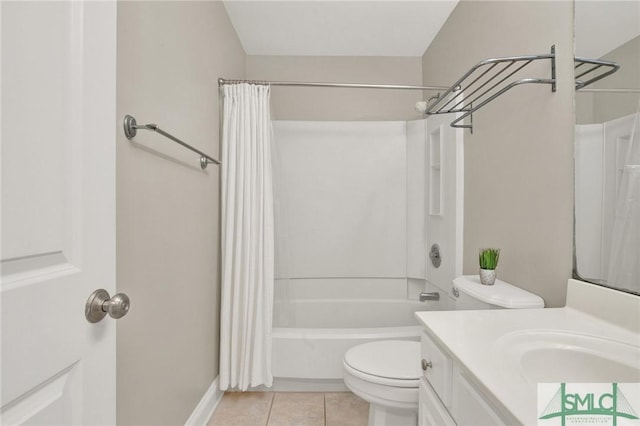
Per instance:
{"type": "Point", "coordinates": [270, 407]}
{"type": "Point", "coordinates": [324, 401]}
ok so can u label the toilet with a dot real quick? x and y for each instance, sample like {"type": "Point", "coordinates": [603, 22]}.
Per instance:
{"type": "Point", "coordinates": [386, 373]}
{"type": "Point", "coordinates": [470, 294]}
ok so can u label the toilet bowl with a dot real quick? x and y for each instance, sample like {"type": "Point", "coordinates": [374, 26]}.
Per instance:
{"type": "Point", "coordinates": [386, 374]}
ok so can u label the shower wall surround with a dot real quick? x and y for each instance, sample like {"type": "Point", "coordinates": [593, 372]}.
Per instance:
{"type": "Point", "coordinates": [341, 199]}
{"type": "Point", "coordinates": [416, 146]}
{"type": "Point", "coordinates": [341, 193]}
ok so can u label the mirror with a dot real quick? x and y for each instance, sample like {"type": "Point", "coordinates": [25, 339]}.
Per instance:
{"type": "Point", "coordinates": [607, 147]}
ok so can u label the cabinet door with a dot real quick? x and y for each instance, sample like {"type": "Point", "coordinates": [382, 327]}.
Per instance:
{"type": "Point", "coordinates": [470, 407]}
{"type": "Point", "coordinates": [439, 373]}
{"type": "Point", "coordinates": [431, 412]}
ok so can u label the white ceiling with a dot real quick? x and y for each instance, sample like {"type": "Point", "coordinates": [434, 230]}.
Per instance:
{"type": "Point", "coordinates": [338, 28]}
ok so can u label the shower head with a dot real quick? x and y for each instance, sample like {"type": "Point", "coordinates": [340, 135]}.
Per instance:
{"type": "Point", "coordinates": [421, 107]}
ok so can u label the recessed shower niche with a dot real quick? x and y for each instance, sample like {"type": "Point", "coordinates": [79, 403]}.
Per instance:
{"type": "Point", "coordinates": [435, 175]}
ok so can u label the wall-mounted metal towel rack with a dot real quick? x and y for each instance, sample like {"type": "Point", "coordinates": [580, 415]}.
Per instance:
{"type": "Point", "coordinates": [485, 82]}
{"type": "Point", "coordinates": [613, 90]}
{"type": "Point", "coordinates": [592, 70]}
{"type": "Point", "coordinates": [131, 128]}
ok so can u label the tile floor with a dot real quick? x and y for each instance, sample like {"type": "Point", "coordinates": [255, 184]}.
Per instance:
{"type": "Point", "coordinates": [290, 409]}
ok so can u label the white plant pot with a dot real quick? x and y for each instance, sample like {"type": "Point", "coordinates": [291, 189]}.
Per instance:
{"type": "Point", "coordinates": [487, 276]}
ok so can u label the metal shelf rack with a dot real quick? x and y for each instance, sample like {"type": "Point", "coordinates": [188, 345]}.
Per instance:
{"type": "Point", "coordinates": [592, 70]}
{"type": "Point", "coordinates": [486, 81]}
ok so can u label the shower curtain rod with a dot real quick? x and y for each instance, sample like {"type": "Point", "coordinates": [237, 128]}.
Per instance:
{"type": "Point", "coordinates": [222, 82]}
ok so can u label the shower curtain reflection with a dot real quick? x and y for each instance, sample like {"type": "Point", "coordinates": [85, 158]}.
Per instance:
{"type": "Point", "coordinates": [624, 260]}
{"type": "Point", "coordinates": [607, 202]}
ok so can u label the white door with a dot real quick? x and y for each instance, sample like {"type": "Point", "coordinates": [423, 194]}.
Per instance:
{"type": "Point", "coordinates": [58, 210]}
{"type": "Point", "coordinates": [444, 198]}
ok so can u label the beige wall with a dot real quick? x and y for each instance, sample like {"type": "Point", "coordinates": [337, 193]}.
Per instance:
{"type": "Point", "coordinates": [170, 55]}
{"type": "Point", "coordinates": [519, 161]}
{"type": "Point", "coordinates": [602, 107]}
{"type": "Point", "coordinates": [302, 103]}
{"type": "Point", "coordinates": [607, 106]}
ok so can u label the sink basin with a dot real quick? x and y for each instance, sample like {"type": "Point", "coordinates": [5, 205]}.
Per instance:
{"type": "Point", "coordinates": [543, 356]}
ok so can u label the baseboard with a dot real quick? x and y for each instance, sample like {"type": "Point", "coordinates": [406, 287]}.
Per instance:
{"type": "Point", "coordinates": [207, 405]}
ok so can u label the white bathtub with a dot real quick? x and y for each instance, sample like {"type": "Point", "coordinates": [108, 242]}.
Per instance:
{"type": "Point", "coordinates": [311, 336]}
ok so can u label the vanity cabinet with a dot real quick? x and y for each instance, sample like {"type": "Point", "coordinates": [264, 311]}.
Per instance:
{"type": "Point", "coordinates": [431, 411]}
{"type": "Point", "coordinates": [449, 395]}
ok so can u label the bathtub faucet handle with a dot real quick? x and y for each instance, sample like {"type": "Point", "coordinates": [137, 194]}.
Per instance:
{"type": "Point", "coordinates": [424, 295]}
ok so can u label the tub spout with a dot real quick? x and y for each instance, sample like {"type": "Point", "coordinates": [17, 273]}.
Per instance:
{"type": "Point", "coordinates": [424, 295]}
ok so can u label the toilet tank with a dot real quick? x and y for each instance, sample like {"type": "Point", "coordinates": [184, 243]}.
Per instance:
{"type": "Point", "coordinates": [471, 294]}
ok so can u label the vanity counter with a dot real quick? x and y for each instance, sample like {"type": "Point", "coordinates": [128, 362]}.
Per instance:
{"type": "Point", "coordinates": [492, 344]}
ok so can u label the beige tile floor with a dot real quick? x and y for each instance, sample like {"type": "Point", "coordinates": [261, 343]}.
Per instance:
{"type": "Point", "coordinates": [290, 409]}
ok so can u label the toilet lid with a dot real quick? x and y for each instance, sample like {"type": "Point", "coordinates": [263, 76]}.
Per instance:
{"type": "Point", "coordinates": [392, 359]}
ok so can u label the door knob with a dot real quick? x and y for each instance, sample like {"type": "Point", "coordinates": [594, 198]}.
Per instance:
{"type": "Point", "coordinates": [426, 364]}
{"type": "Point", "coordinates": [99, 304]}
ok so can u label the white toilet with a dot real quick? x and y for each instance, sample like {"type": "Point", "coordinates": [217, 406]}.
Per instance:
{"type": "Point", "coordinates": [386, 373]}
{"type": "Point", "coordinates": [470, 294]}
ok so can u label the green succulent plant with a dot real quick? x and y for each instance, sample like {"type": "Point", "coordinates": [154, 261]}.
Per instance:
{"type": "Point", "coordinates": [489, 258]}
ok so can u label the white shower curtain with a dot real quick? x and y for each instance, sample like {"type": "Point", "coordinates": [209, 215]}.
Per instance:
{"type": "Point", "coordinates": [624, 260]}
{"type": "Point", "coordinates": [247, 239]}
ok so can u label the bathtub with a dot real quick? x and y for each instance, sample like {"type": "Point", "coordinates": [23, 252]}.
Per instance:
{"type": "Point", "coordinates": [311, 336]}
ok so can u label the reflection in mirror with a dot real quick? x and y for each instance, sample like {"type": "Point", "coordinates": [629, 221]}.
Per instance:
{"type": "Point", "coordinates": [607, 147]}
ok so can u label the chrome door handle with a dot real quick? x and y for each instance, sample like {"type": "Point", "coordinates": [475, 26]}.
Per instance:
{"type": "Point", "coordinates": [99, 304]}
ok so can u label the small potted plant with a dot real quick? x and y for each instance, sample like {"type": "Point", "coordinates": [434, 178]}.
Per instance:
{"type": "Point", "coordinates": [488, 264]}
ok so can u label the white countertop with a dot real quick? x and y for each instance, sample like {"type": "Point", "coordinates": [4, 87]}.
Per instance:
{"type": "Point", "coordinates": [476, 340]}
